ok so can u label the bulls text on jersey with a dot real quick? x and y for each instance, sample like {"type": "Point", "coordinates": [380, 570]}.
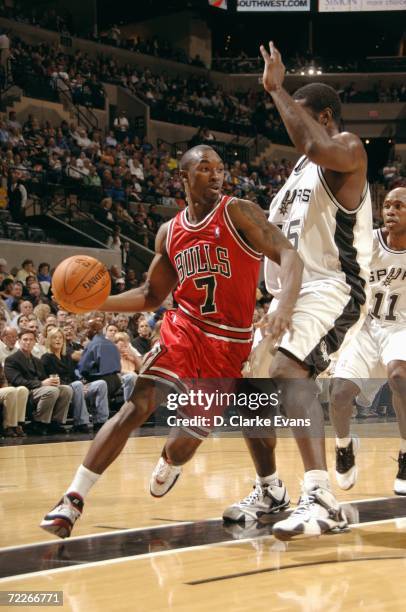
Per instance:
{"type": "Point", "coordinates": [197, 259]}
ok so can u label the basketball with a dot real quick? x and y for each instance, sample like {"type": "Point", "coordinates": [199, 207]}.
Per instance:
{"type": "Point", "coordinates": [81, 283]}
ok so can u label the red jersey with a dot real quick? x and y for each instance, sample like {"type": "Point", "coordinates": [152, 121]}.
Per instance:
{"type": "Point", "coordinates": [217, 271]}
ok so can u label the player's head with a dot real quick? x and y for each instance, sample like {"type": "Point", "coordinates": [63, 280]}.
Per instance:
{"type": "Point", "coordinates": [394, 210]}
{"type": "Point", "coordinates": [202, 172]}
{"type": "Point", "coordinates": [322, 102]}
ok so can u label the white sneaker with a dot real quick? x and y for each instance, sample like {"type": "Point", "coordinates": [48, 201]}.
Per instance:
{"type": "Point", "coordinates": [317, 512]}
{"type": "Point", "coordinates": [400, 480]}
{"type": "Point", "coordinates": [346, 469]}
{"type": "Point", "coordinates": [61, 519]}
{"type": "Point", "coordinates": [264, 500]}
{"type": "Point", "coordinates": [163, 478]}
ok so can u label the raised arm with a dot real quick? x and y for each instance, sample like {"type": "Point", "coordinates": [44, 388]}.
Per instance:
{"type": "Point", "coordinates": [342, 152]}
{"type": "Point", "coordinates": [250, 220]}
{"type": "Point", "coordinates": [161, 279]}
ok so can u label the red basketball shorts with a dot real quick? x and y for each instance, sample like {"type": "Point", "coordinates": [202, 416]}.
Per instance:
{"type": "Point", "coordinates": [184, 356]}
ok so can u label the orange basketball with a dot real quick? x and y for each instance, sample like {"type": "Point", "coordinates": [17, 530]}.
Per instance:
{"type": "Point", "coordinates": [81, 283]}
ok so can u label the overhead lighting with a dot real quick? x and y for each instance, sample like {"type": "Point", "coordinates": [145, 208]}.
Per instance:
{"type": "Point", "coordinates": [319, 72]}
{"type": "Point", "coordinates": [310, 71]}
{"type": "Point", "coordinates": [367, 141]}
{"type": "Point", "coordinates": [302, 73]}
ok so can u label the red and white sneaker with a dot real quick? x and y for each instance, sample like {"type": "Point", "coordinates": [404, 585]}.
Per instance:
{"type": "Point", "coordinates": [163, 478]}
{"type": "Point", "coordinates": [61, 519]}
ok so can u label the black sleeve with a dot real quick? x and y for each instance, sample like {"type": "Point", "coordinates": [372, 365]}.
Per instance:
{"type": "Point", "coordinates": [48, 363]}
{"type": "Point", "coordinates": [16, 377]}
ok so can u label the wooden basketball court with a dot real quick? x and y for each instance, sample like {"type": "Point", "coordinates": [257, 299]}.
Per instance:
{"type": "Point", "coordinates": [133, 552]}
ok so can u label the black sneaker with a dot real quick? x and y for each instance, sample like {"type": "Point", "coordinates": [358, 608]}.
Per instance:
{"type": "Point", "coordinates": [346, 470]}
{"type": "Point", "coordinates": [37, 428]}
{"type": "Point", "coordinates": [86, 429]}
{"type": "Point", "coordinates": [56, 428]}
{"type": "Point", "coordinates": [400, 480]}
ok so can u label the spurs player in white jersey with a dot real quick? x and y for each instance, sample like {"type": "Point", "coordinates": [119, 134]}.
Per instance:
{"type": "Point", "coordinates": [378, 352]}
{"type": "Point", "coordinates": [325, 210]}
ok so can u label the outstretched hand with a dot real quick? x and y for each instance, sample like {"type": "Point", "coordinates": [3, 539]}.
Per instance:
{"type": "Point", "coordinates": [276, 324]}
{"type": "Point", "coordinates": [274, 70]}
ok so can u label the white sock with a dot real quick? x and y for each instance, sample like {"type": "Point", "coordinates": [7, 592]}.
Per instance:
{"type": "Point", "coordinates": [272, 479]}
{"type": "Point", "coordinates": [316, 478]}
{"type": "Point", "coordinates": [402, 445]}
{"type": "Point", "coordinates": [343, 442]}
{"type": "Point", "coordinates": [83, 481]}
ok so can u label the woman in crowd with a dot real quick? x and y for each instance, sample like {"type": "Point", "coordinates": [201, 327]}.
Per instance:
{"type": "Point", "coordinates": [57, 362]}
{"type": "Point", "coordinates": [130, 362]}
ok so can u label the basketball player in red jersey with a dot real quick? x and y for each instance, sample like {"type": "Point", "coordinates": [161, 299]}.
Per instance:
{"type": "Point", "coordinates": [210, 253]}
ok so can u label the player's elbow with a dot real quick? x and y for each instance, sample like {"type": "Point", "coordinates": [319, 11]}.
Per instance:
{"type": "Point", "coordinates": [151, 299]}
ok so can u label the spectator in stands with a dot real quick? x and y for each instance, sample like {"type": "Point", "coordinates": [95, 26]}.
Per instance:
{"type": "Point", "coordinates": [61, 316]}
{"type": "Point", "coordinates": [114, 241]}
{"type": "Point", "coordinates": [121, 126]}
{"type": "Point", "coordinates": [130, 361]}
{"type": "Point", "coordinates": [104, 213]}
{"type": "Point", "coordinates": [6, 289]}
{"type": "Point", "coordinates": [25, 308]}
{"type": "Point", "coordinates": [8, 342]}
{"type": "Point", "coordinates": [131, 281]}
{"type": "Point", "coordinates": [42, 311]}
{"type": "Point", "coordinates": [100, 359]}
{"type": "Point", "coordinates": [3, 268]}
{"type": "Point", "coordinates": [44, 272]}
{"type": "Point", "coordinates": [73, 347]}
{"type": "Point", "coordinates": [35, 295]}
{"type": "Point", "coordinates": [121, 322]}
{"type": "Point", "coordinates": [125, 255]}
{"type": "Point", "coordinates": [115, 273]}
{"type": "Point", "coordinates": [14, 400]}
{"type": "Point", "coordinates": [142, 342]}
{"type": "Point", "coordinates": [50, 398]}
{"type": "Point", "coordinates": [57, 361]}
{"type": "Point", "coordinates": [110, 331]}
{"type": "Point", "coordinates": [119, 286]}
{"type": "Point", "coordinates": [17, 198]}
{"type": "Point", "coordinates": [27, 269]}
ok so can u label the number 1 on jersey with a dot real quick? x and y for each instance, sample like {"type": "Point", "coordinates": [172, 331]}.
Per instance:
{"type": "Point", "coordinates": [208, 283]}
{"type": "Point", "coordinates": [376, 312]}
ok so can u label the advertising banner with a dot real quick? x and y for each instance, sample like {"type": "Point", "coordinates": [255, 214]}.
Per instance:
{"type": "Point", "coordinates": [272, 5]}
{"type": "Point", "coordinates": [343, 6]}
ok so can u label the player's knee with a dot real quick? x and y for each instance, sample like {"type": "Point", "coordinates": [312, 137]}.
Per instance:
{"type": "Point", "coordinates": [181, 450]}
{"type": "Point", "coordinates": [136, 410]}
{"type": "Point", "coordinates": [397, 376]}
{"type": "Point", "coordinates": [342, 393]}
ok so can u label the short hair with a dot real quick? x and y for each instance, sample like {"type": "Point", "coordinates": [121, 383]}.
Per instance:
{"type": "Point", "coordinates": [120, 316]}
{"type": "Point", "coordinates": [43, 264]}
{"type": "Point", "coordinates": [192, 155]}
{"type": "Point", "coordinates": [22, 332]}
{"type": "Point", "coordinates": [27, 261]}
{"type": "Point", "coordinates": [318, 97]}
{"type": "Point", "coordinates": [7, 282]}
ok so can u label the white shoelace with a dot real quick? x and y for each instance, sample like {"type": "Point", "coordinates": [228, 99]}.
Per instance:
{"type": "Point", "coordinates": [304, 504]}
{"type": "Point", "coordinates": [253, 497]}
{"type": "Point", "coordinates": [67, 509]}
{"type": "Point", "coordinates": [163, 469]}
